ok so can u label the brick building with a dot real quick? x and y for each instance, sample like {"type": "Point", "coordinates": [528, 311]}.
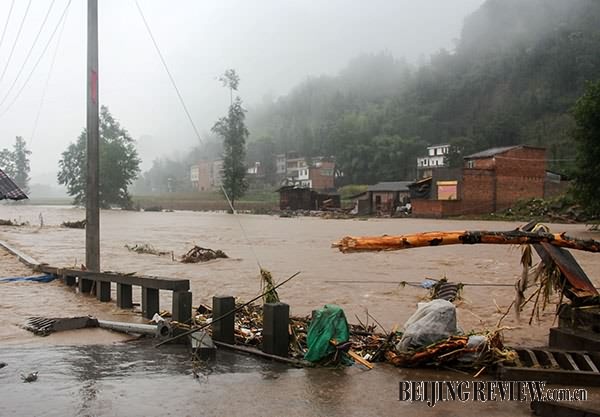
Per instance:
{"type": "Point", "coordinates": [490, 181]}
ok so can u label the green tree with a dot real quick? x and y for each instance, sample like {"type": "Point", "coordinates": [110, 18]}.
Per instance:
{"type": "Point", "coordinates": [234, 133]}
{"type": "Point", "coordinates": [20, 156]}
{"type": "Point", "coordinates": [119, 164]}
{"type": "Point", "coordinates": [586, 177]}
{"type": "Point", "coordinates": [7, 163]}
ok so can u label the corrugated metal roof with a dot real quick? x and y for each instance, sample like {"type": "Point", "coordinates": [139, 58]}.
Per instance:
{"type": "Point", "coordinates": [8, 189]}
{"type": "Point", "coordinates": [491, 152]}
{"type": "Point", "coordinates": [390, 186]}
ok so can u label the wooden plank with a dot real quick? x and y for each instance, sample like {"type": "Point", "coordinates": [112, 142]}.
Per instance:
{"type": "Point", "coordinates": [253, 351]}
{"type": "Point", "coordinates": [590, 363]}
{"type": "Point", "coordinates": [158, 283]}
{"type": "Point", "coordinates": [571, 361]}
{"type": "Point", "coordinates": [552, 359]}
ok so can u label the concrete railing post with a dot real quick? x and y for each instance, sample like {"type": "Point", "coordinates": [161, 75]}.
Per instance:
{"type": "Point", "coordinates": [150, 303]}
{"type": "Point", "coordinates": [223, 330]}
{"type": "Point", "coordinates": [276, 338]}
{"type": "Point", "coordinates": [182, 306]}
{"type": "Point", "coordinates": [103, 291]}
{"type": "Point", "coordinates": [124, 296]}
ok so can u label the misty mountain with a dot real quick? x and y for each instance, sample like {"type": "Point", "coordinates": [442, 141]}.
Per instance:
{"type": "Point", "coordinates": [515, 73]}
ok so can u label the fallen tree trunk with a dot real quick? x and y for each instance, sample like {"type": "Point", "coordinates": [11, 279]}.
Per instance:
{"type": "Point", "coordinates": [513, 237]}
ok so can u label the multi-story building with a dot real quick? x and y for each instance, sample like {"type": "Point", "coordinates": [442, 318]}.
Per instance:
{"type": "Point", "coordinates": [206, 175]}
{"type": "Point", "coordinates": [489, 181]}
{"type": "Point", "coordinates": [436, 158]}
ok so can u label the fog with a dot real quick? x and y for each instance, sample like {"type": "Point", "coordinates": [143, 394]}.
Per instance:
{"type": "Point", "coordinates": [273, 45]}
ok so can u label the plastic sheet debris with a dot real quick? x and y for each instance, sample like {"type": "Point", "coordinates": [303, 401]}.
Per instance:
{"type": "Point", "coordinates": [433, 321]}
{"type": "Point", "coordinates": [39, 278]}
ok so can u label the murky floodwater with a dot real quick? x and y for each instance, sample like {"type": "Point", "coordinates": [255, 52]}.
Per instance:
{"type": "Point", "coordinates": [143, 381]}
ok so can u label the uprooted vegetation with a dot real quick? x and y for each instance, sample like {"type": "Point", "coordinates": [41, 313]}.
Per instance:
{"type": "Point", "coordinates": [146, 248]}
{"type": "Point", "coordinates": [15, 222]}
{"type": "Point", "coordinates": [199, 254]}
{"type": "Point", "coordinates": [75, 225]}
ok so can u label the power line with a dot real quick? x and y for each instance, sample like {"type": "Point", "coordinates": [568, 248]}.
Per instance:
{"type": "Point", "coordinates": [168, 72]}
{"type": "Point", "coordinates": [28, 54]}
{"type": "Point", "coordinates": [6, 23]}
{"type": "Point", "coordinates": [12, 50]}
{"type": "Point", "coordinates": [16, 97]}
{"type": "Point", "coordinates": [37, 117]}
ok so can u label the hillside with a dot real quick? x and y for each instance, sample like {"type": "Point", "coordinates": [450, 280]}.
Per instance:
{"type": "Point", "coordinates": [515, 73]}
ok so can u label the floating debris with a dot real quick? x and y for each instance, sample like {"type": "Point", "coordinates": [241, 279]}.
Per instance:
{"type": "Point", "coordinates": [30, 377]}
{"type": "Point", "coordinates": [146, 248]}
{"type": "Point", "coordinates": [75, 225]}
{"type": "Point", "coordinates": [199, 254]}
{"type": "Point", "coordinates": [153, 208]}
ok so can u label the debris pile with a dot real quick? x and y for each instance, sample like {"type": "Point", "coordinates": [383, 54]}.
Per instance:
{"type": "Point", "coordinates": [367, 344]}
{"type": "Point", "coordinates": [199, 254]}
{"type": "Point", "coordinates": [146, 248]}
{"type": "Point", "coordinates": [4, 222]}
{"type": "Point", "coordinates": [561, 210]}
{"type": "Point", "coordinates": [75, 225]}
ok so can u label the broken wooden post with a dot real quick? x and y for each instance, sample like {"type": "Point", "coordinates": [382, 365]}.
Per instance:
{"type": "Point", "coordinates": [182, 306]}
{"type": "Point", "coordinates": [511, 237]}
{"type": "Point", "coordinates": [124, 296]}
{"type": "Point", "coordinates": [103, 291]}
{"type": "Point", "coordinates": [223, 330]}
{"type": "Point", "coordinates": [150, 303]}
{"type": "Point", "coordinates": [276, 338]}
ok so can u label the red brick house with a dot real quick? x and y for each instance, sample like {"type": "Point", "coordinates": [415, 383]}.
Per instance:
{"type": "Point", "coordinates": [490, 181]}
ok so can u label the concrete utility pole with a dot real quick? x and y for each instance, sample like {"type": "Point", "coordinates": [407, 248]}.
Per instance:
{"type": "Point", "coordinates": [92, 228]}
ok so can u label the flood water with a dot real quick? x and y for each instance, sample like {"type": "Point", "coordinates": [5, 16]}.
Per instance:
{"type": "Point", "coordinates": [94, 372]}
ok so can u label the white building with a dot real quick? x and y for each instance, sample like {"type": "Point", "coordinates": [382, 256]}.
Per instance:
{"type": "Point", "coordinates": [435, 158]}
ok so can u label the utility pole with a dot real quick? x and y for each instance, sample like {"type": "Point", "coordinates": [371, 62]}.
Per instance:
{"type": "Point", "coordinates": [92, 228]}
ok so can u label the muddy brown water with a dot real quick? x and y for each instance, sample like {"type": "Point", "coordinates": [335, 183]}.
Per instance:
{"type": "Point", "coordinates": [158, 383]}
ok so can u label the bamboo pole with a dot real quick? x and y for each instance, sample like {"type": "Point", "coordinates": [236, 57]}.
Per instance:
{"type": "Point", "coordinates": [512, 237]}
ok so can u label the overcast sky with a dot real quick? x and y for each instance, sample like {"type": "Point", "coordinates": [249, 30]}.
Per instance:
{"type": "Point", "coordinates": [273, 44]}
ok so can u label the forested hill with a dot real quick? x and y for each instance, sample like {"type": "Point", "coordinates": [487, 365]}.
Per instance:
{"type": "Point", "coordinates": [517, 69]}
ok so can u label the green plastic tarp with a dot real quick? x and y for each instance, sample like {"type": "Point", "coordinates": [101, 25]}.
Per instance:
{"type": "Point", "coordinates": [328, 323]}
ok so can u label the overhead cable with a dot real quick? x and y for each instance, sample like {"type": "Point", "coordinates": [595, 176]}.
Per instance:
{"type": "Point", "coordinates": [12, 50]}
{"type": "Point", "coordinates": [6, 23]}
{"type": "Point", "coordinates": [28, 54]}
{"type": "Point", "coordinates": [15, 98]}
{"type": "Point", "coordinates": [37, 117]}
{"type": "Point", "coordinates": [162, 59]}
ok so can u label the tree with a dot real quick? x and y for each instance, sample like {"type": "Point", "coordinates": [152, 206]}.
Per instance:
{"type": "Point", "coordinates": [119, 164]}
{"type": "Point", "coordinates": [586, 177]}
{"type": "Point", "coordinates": [7, 163]}
{"type": "Point", "coordinates": [21, 164]}
{"type": "Point", "coordinates": [234, 133]}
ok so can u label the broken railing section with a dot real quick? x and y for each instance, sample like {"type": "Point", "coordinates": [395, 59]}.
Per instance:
{"type": "Point", "coordinates": [513, 237]}
{"type": "Point", "coordinates": [150, 286]}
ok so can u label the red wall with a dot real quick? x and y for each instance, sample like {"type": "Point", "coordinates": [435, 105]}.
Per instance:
{"type": "Point", "coordinates": [494, 184]}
